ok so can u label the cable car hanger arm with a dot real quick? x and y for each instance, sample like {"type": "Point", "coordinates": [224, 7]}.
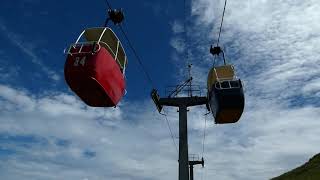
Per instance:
{"type": "Point", "coordinates": [215, 51]}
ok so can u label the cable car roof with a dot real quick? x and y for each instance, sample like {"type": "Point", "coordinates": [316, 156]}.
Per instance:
{"type": "Point", "coordinates": [108, 38]}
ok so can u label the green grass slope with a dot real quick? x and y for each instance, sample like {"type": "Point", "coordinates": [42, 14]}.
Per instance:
{"type": "Point", "coordinates": [308, 171]}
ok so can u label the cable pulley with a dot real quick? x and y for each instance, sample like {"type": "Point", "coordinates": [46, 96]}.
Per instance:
{"type": "Point", "coordinates": [215, 51]}
{"type": "Point", "coordinates": [116, 16]}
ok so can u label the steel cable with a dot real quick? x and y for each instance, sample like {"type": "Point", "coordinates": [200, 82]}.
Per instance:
{"type": "Point", "coordinates": [224, 10]}
{"type": "Point", "coordinates": [171, 133]}
{"type": "Point", "coordinates": [109, 5]}
{"type": "Point", "coordinates": [137, 57]}
{"type": "Point", "coordinates": [204, 134]}
{"type": "Point", "coordinates": [134, 51]}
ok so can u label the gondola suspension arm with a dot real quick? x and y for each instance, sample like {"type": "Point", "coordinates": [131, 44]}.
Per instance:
{"type": "Point", "coordinates": [215, 51]}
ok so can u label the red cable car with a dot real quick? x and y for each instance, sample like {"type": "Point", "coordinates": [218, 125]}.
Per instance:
{"type": "Point", "coordinates": [95, 67]}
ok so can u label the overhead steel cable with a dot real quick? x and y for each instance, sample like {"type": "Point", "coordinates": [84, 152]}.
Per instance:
{"type": "Point", "coordinates": [148, 77]}
{"type": "Point", "coordinates": [224, 10]}
{"type": "Point", "coordinates": [171, 133]}
{"type": "Point", "coordinates": [203, 141]}
{"type": "Point", "coordinates": [220, 30]}
{"type": "Point", "coordinates": [186, 44]}
{"type": "Point", "coordinates": [109, 5]}
{"type": "Point", "coordinates": [137, 57]}
{"type": "Point", "coordinates": [204, 133]}
{"type": "Point", "coordinates": [185, 33]}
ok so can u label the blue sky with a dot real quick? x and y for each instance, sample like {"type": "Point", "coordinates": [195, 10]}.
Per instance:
{"type": "Point", "coordinates": [46, 132]}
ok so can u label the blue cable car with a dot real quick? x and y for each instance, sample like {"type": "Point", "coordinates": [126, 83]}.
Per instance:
{"type": "Point", "coordinates": [225, 93]}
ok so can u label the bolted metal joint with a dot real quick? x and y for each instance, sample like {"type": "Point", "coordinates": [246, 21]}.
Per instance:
{"type": "Point", "coordinates": [215, 50]}
{"type": "Point", "coordinates": [116, 15]}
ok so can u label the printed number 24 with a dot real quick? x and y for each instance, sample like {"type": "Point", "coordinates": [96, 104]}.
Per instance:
{"type": "Point", "coordinates": [78, 61]}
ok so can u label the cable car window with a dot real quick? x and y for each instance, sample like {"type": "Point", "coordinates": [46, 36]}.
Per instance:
{"type": "Point", "coordinates": [217, 85]}
{"type": "Point", "coordinates": [235, 84]}
{"type": "Point", "coordinates": [225, 85]}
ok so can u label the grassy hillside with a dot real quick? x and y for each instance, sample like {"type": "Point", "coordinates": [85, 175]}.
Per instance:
{"type": "Point", "coordinates": [308, 171]}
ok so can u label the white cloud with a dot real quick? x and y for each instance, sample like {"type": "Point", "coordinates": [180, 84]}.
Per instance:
{"type": "Point", "coordinates": [125, 143]}
{"type": "Point", "coordinates": [312, 88]}
{"type": "Point", "coordinates": [178, 44]}
{"type": "Point", "coordinates": [128, 140]}
{"type": "Point", "coordinates": [15, 98]}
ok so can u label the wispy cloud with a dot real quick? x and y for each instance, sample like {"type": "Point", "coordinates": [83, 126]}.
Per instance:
{"type": "Point", "coordinates": [268, 42]}
{"type": "Point", "coordinates": [27, 49]}
{"type": "Point", "coordinates": [8, 73]}
{"type": "Point", "coordinates": [178, 44]}
{"type": "Point", "coordinates": [312, 88]}
{"type": "Point", "coordinates": [177, 27]}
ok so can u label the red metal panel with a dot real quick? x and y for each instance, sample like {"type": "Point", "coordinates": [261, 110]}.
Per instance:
{"type": "Point", "coordinates": [95, 78]}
